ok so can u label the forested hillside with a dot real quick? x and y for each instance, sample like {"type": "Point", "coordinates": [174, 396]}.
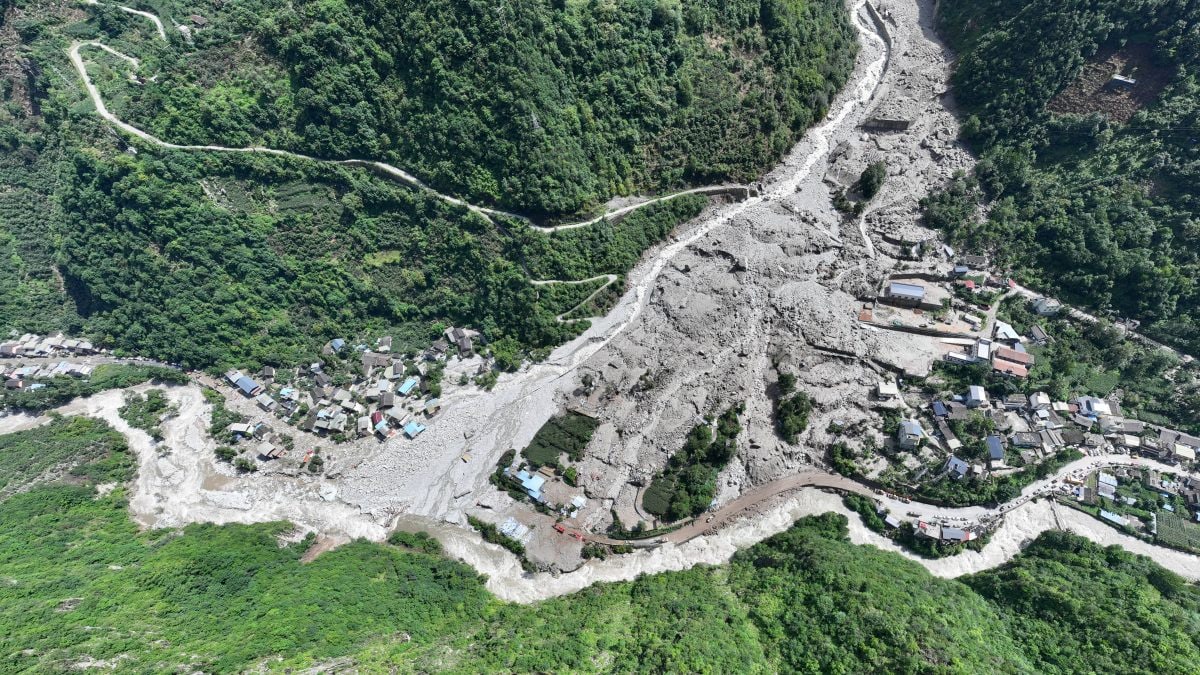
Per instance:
{"type": "Point", "coordinates": [225, 599]}
{"type": "Point", "coordinates": [1091, 181]}
{"type": "Point", "coordinates": [213, 260]}
{"type": "Point", "coordinates": [541, 106]}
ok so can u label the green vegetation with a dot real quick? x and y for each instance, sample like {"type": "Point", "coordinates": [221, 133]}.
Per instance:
{"type": "Point", "coordinates": [791, 415]}
{"type": "Point", "coordinates": [841, 459]}
{"type": "Point", "coordinates": [145, 411]}
{"type": "Point", "coordinates": [1071, 605]}
{"type": "Point", "coordinates": [1084, 204]}
{"type": "Point", "coordinates": [865, 508]}
{"type": "Point", "coordinates": [417, 541]}
{"type": "Point", "coordinates": [567, 434]}
{"type": "Point", "coordinates": [212, 260]}
{"type": "Point", "coordinates": [68, 448]}
{"type": "Point", "coordinates": [222, 417]}
{"type": "Point", "coordinates": [491, 533]}
{"type": "Point", "coordinates": [543, 107]}
{"type": "Point", "coordinates": [61, 390]}
{"type": "Point", "coordinates": [872, 180]}
{"type": "Point", "coordinates": [687, 486]}
{"type": "Point", "coordinates": [1177, 531]}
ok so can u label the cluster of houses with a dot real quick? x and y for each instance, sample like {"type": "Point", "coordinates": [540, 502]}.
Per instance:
{"type": "Point", "coordinates": [1004, 350]}
{"type": "Point", "coordinates": [946, 533]}
{"type": "Point", "coordinates": [930, 529]}
{"type": "Point", "coordinates": [535, 486]}
{"type": "Point", "coordinates": [25, 377]}
{"type": "Point", "coordinates": [1109, 481]}
{"type": "Point", "coordinates": [1036, 427]}
{"type": "Point", "coordinates": [269, 444]}
{"type": "Point", "coordinates": [30, 345]}
{"type": "Point", "coordinates": [386, 399]}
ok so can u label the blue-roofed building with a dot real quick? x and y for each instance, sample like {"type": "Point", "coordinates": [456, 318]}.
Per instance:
{"type": "Point", "coordinates": [413, 429]}
{"type": "Point", "coordinates": [939, 409]}
{"type": "Point", "coordinates": [337, 344]}
{"type": "Point", "coordinates": [957, 467]}
{"type": "Point", "coordinates": [1113, 518]}
{"type": "Point", "coordinates": [248, 386]}
{"type": "Point", "coordinates": [531, 484]}
{"type": "Point", "coordinates": [995, 448]}
{"type": "Point", "coordinates": [408, 386]}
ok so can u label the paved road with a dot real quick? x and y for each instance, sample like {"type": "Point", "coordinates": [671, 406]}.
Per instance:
{"type": "Point", "coordinates": [964, 516]}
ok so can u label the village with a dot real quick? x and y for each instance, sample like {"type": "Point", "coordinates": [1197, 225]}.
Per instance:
{"type": "Point", "coordinates": [20, 376]}
{"type": "Point", "coordinates": [971, 429]}
{"type": "Point", "coordinates": [353, 392]}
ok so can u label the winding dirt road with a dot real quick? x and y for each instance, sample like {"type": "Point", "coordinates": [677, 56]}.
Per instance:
{"type": "Point", "coordinates": [609, 280]}
{"type": "Point", "coordinates": [74, 52]}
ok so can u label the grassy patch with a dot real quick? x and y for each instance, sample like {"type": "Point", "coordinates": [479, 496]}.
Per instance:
{"type": "Point", "coordinates": [67, 448]}
{"type": "Point", "coordinates": [566, 434]}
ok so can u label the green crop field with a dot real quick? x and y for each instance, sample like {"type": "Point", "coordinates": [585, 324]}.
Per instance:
{"type": "Point", "coordinates": [1174, 530]}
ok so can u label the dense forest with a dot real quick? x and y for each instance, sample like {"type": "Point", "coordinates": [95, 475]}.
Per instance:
{"type": "Point", "coordinates": [546, 107]}
{"type": "Point", "coordinates": [1090, 181]}
{"type": "Point", "coordinates": [213, 260]}
{"type": "Point", "coordinates": [226, 598]}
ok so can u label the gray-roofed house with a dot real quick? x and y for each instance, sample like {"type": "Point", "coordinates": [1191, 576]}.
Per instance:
{"type": "Point", "coordinates": [1039, 400]}
{"type": "Point", "coordinates": [1016, 401]}
{"type": "Point", "coordinates": [248, 386]}
{"type": "Point", "coordinates": [952, 441]}
{"type": "Point", "coordinates": [1026, 439]}
{"type": "Point", "coordinates": [956, 534]}
{"type": "Point", "coordinates": [900, 293]}
{"type": "Point", "coordinates": [265, 402]}
{"type": "Point", "coordinates": [372, 360]}
{"type": "Point", "coordinates": [909, 434]}
{"type": "Point", "coordinates": [1005, 332]}
{"type": "Point", "coordinates": [976, 396]}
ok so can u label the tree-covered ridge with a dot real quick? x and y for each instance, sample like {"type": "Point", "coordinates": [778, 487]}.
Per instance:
{"type": "Point", "coordinates": [206, 259]}
{"type": "Point", "coordinates": [85, 585]}
{"type": "Point", "coordinates": [1104, 213]}
{"type": "Point", "coordinates": [1072, 605]}
{"type": "Point", "coordinates": [543, 107]}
